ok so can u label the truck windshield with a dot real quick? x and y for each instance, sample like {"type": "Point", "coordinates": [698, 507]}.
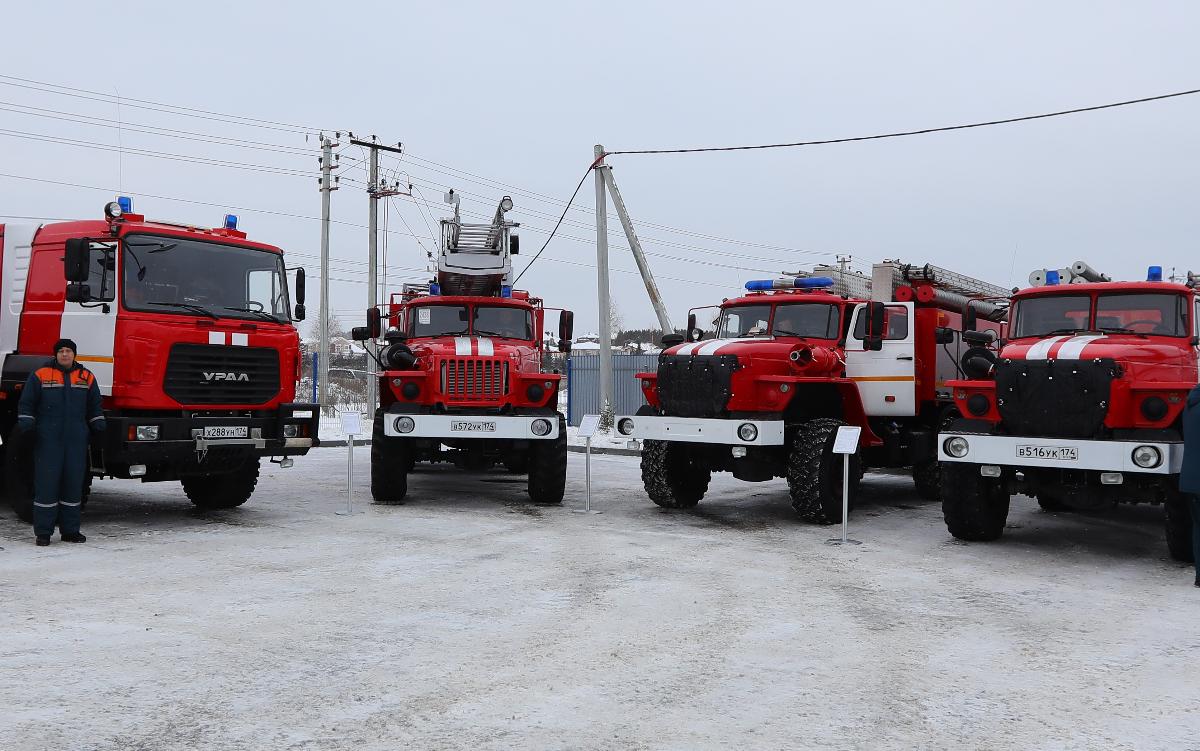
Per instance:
{"type": "Point", "coordinates": [190, 277]}
{"type": "Point", "coordinates": [502, 321]}
{"type": "Point", "coordinates": [810, 320]}
{"type": "Point", "coordinates": [744, 321]}
{"type": "Point", "coordinates": [1156, 313]}
{"type": "Point", "coordinates": [437, 320]}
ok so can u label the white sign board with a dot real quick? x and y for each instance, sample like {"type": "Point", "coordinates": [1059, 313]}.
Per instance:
{"type": "Point", "coordinates": [351, 423]}
{"type": "Point", "coordinates": [589, 425]}
{"type": "Point", "coordinates": [846, 441]}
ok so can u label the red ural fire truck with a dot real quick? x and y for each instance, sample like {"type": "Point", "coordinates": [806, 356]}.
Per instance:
{"type": "Point", "coordinates": [1081, 407]}
{"type": "Point", "coordinates": [461, 371]}
{"type": "Point", "coordinates": [189, 333]}
{"type": "Point", "coordinates": [793, 360]}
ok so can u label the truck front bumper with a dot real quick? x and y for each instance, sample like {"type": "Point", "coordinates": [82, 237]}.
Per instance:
{"type": "Point", "coordinates": [290, 431]}
{"type": "Point", "coordinates": [1061, 453]}
{"type": "Point", "coordinates": [700, 430]}
{"type": "Point", "coordinates": [466, 426]}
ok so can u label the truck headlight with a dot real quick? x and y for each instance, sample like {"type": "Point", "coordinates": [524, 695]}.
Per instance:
{"type": "Point", "coordinates": [146, 433]}
{"type": "Point", "coordinates": [747, 432]}
{"type": "Point", "coordinates": [625, 426]}
{"type": "Point", "coordinates": [1147, 457]}
{"type": "Point", "coordinates": [956, 447]}
{"type": "Point", "coordinates": [540, 427]}
{"type": "Point", "coordinates": [405, 425]}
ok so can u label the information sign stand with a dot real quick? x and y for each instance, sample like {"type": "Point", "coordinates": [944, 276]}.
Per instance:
{"type": "Point", "coordinates": [846, 444]}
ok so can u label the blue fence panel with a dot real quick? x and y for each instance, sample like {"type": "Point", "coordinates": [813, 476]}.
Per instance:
{"type": "Point", "coordinates": [583, 384]}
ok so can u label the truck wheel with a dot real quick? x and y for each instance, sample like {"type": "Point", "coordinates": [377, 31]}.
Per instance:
{"type": "Point", "coordinates": [927, 477]}
{"type": "Point", "coordinates": [548, 467]}
{"type": "Point", "coordinates": [814, 473]}
{"type": "Point", "coordinates": [18, 474]}
{"type": "Point", "coordinates": [225, 490]}
{"type": "Point", "coordinates": [1177, 514]}
{"type": "Point", "coordinates": [673, 475]}
{"type": "Point", "coordinates": [975, 507]}
{"type": "Point", "coordinates": [1050, 503]}
{"type": "Point", "coordinates": [390, 464]}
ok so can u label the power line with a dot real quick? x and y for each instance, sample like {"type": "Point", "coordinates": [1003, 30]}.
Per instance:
{"type": "Point", "coordinates": [903, 134]}
{"type": "Point", "coordinates": [538, 255]}
{"type": "Point", "coordinates": [146, 104]}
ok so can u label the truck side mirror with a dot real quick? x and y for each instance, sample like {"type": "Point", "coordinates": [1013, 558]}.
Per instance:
{"type": "Point", "coordinates": [374, 324]}
{"type": "Point", "coordinates": [970, 320]}
{"type": "Point", "coordinates": [566, 330]}
{"type": "Point", "coordinates": [943, 335]}
{"type": "Point", "coordinates": [300, 286]}
{"type": "Point", "coordinates": [79, 292]}
{"type": "Point", "coordinates": [873, 341]}
{"type": "Point", "coordinates": [670, 340]}
{"type": "Point", "coordinates": [514, 245]}
{"type": "Point", "coordinates": [300, 312]}
{"type": "Point", "coordinates": [78, 260]}
{"type": "Point", "coordinates": [360, 333]}
{"type": "Point", "coordinates": [693, 335]}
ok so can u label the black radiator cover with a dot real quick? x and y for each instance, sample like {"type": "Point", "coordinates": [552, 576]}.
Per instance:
{"type": "Point", "coordinates": [695, 386]}
{"type": "Point", "coordinates": [1055, 398]}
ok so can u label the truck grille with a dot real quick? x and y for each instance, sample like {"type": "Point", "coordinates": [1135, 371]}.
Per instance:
{"type": "Point", "coordinates": [1055, 398]}
{"type": "Point", "coordinates": [216, 374]}
{"type": "Point", "coordinates": [474, 378]}
{"type": "Point", "coordinates": [695, 386]}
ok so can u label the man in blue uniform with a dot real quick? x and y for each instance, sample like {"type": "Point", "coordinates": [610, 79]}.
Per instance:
{"type": "Point", "coordinates": [61, 405]}
{"type": "Point", "coordinates": [1189, 476]}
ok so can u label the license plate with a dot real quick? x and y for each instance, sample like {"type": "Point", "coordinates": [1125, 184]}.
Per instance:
{"type": "Point", "coordinates": [472, 426]}
{"type": "Point", "coordinates": [226, 431]}
{"type": "Point", "coordinates": [1060, 453]}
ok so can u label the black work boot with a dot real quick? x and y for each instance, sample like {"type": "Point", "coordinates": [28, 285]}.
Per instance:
{"type": "Point", "coordinates": [73, 537]}
{"type": "Point", "coordinates": [43, 542]}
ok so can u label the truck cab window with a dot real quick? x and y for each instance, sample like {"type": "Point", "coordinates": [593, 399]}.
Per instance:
{"type": "Point", "coordinates": [895, 323]}
{"type": "Point", "coordinates": [744, 321]}
{"type": "Point", "coordinates": [812, 320]}
{"type": "Point", "coordinates": [1043, 315]}
{"type": "Point", "coordinates": [438, 320]}
{"type": "Point", "coordinates": [502, 321]}
{"type": "Point", "coordinates": [103, 275]}
{"type": "Point", "coordinates": [1160, 314]}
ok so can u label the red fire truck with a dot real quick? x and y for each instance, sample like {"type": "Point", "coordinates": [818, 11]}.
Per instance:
{"type": "Point", "coordinates": [1081, 407]}
{"type": "Point", "coordinates": [189, 333]}
{"type": "Point", "coordinates": [461, 376]}
{"type": "Point", "coordinates": [793, 360]}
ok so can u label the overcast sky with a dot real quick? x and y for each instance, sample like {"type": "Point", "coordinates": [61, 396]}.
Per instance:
{"type": "Point", "coordinates": [519, 93]}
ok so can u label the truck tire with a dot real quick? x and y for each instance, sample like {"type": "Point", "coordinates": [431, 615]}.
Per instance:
{"type": "Point", "coordinates": [224, 490]}
{"type": "Point", "coordinates": [390, 464]}
{"type": "Point", "coordinates": [975, 507]}
{"type": "Point", "coordinates": [18, 473]}
{"type": "Point", "coordinates": [1050, 503]}
{"type": "Point", "coordinates": [927, 477]}
{"type": "Point", "coordinates": [1177, 515]}
{"type": "Point", "coordinates": [814, 472]}
{"type": "Point", "coordinates": [673, 475]}
{"type": "Point", "coordinates": [548, 467]}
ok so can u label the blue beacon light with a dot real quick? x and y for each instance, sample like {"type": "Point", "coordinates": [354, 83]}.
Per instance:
{"type": "Point", "coordinates": [231, 221]}
{"type": "Point", "coordinates": [1154, 274]}
{"type": "Point", "coordinates": [126, 204]}
{"type": "Point", "coordinates": [1051, 278]}
{"type": "Point", "coordinates": [807, 282]}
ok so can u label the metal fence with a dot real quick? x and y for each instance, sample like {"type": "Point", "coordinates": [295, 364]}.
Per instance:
{"type": "Point", "coordinates": [583, 384]}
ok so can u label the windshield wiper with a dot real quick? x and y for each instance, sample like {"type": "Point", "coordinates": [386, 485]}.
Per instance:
{"type": "Point", "coordinates": [1120, 330]}
{"type": "Point", "coordinates": [187, 306]}
{"type": "Point", "coordinates": [785, 332]}
{"type": "Point", "coordinates": [484, 332]}
{"type": "Point", "coordinates": [1059, 331]}
{"type": "Point", "coordinates": [264, 314]}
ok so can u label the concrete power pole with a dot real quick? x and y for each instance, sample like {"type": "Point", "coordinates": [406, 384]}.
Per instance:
{"type": "Point", "coordinates": [375, 191]}
{"type": "Point", "coordinates": [327, 187]}
{"type": "Point", "coordinates": [606, 372]}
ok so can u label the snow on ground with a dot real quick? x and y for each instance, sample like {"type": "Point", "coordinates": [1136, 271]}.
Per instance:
{"type": "Point", "coordinates": [468, 618]}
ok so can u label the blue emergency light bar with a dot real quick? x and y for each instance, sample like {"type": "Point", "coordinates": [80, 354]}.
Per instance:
{"type": "Point", "coordinates": [505, 291]}
{"type": "Point", "coordinates": [126, 204]}
{"type": "Point", "coordinates": [1154, 274]}
{"type": "Point", "coordinates": [435, 288]}
{"type": "Point", "coordinates": [1052, 277]}
{"type": "Point", "coordinates": [231, 221]}
{"type": "Point", "coordinates": [804, 282]}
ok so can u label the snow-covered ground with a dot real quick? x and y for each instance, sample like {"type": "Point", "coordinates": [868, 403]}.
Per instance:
{"type": "Point", "coordinates": [468, 618]}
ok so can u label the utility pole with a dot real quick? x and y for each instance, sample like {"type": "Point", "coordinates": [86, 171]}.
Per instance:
{"type": "Point", "coordinates": [327, 187]}
{"type": "Point", "coordinates": [606, 373]}
{"type": "Point", "coordinates": [635, 245]}
{"type": "Point", "coordinates": [375, 191]}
